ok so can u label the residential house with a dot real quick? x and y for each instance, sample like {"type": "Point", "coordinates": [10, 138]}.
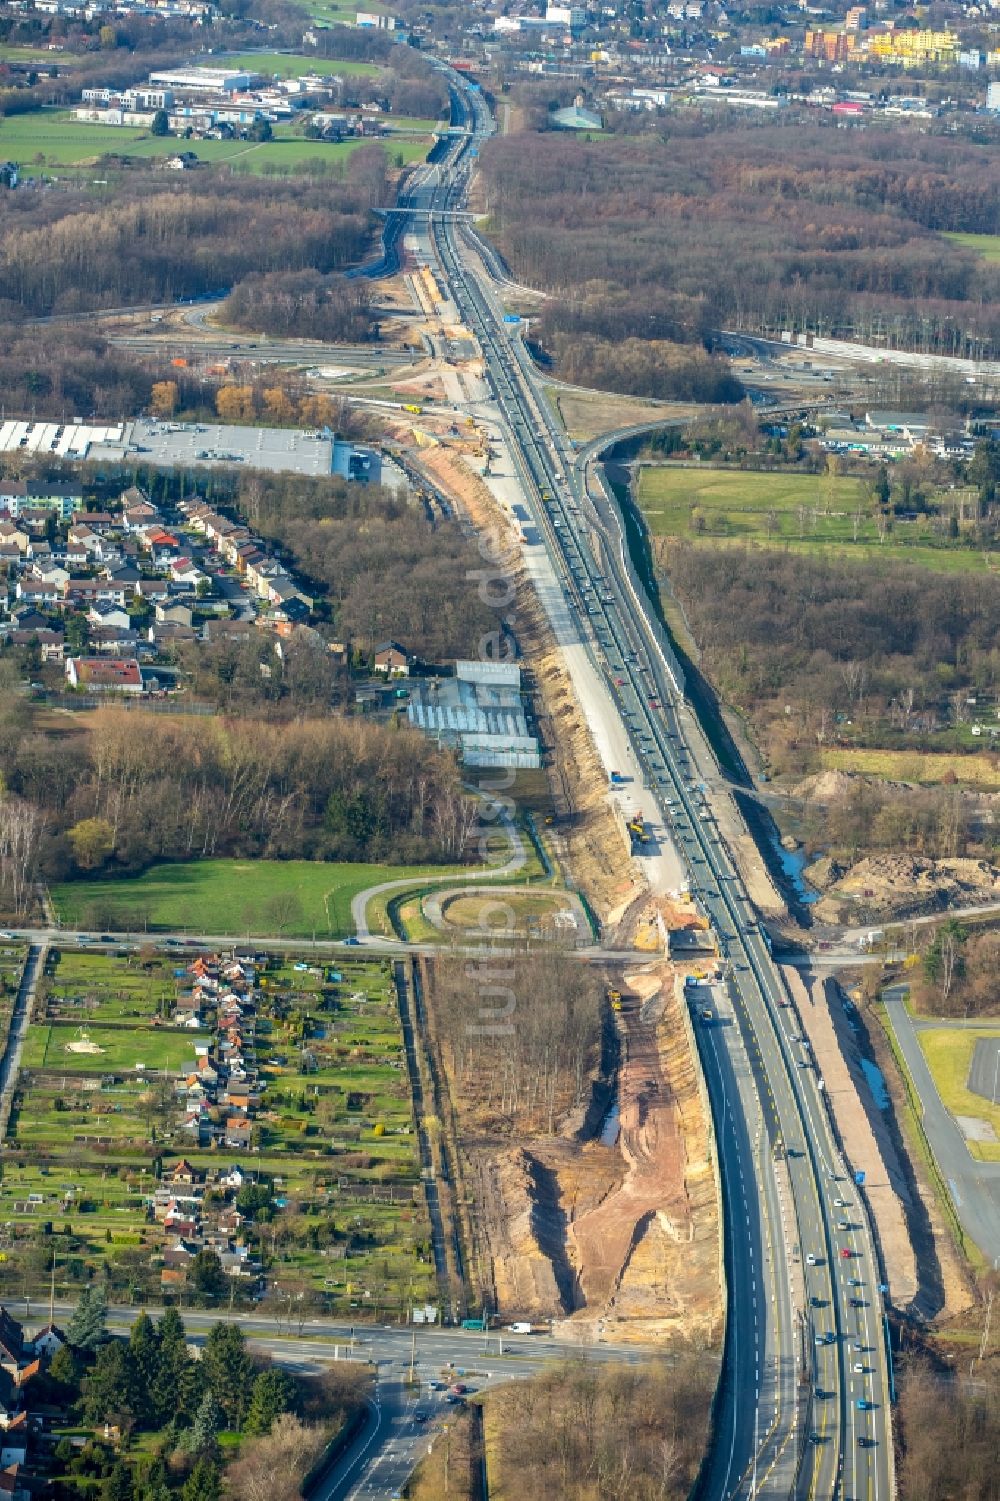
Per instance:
{"type": "Point", "coordinates": [185, 1172]}
{"type": "Point", "coordinates": [82, 535]}
{"type": "Point", "coordinates": [79, 593]}
{"type": "Point", "coordinates": [19, 496]}
{"type": "Point", "coordinates": [173, 613]}
{"type": "Point", "coordinates": [15, 535]}
{"type": "Point", "coordinates": [49, 571]}
{"type": "Point", "coordinates": [238, 1133]}
{"type": "Point", "coordinates": [391, 659]}
{"type": "Point", "coordinates": [40, 592]}
{"type": "Point", "coordinates": [183, 571]}
{"type": "Point", "coordinates": [12, 1344]}
{"type": "Point", "coordinates": [48, 1340]}
{"type": "Point", "coordinates": [104, 675]}
{"type": "Point", "coordinates": [107, 614]}
{"type": "Point", "coordinates": [51, 643]}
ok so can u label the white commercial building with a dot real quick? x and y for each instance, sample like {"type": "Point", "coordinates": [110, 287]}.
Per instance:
{"type": "Point", "coordinates": [204, 81]}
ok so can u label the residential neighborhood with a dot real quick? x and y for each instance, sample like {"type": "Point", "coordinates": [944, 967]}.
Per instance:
{"type": "Point", "coordinates": [112, 593]}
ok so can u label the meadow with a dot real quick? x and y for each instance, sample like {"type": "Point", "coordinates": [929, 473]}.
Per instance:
{"type": "Point", "coordinates": [56, 139]}
{"type": "Point", "coordinates": [929, 768]}
{"type": "Point", "coordinates": [988, 246]}
{"type": "Point", "coordinates": [949, 1051]}
{"type": "Point", "coordinates": [292, 898]}
{"type": "Point", "coordinates": [797, 512]}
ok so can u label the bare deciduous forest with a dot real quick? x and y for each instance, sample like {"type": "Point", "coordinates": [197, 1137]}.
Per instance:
{"type": "Point", "coordinates": [521, 1035]}
{"type": "Point", "coordinates": [823, 636]}
{"type": "Point", "coordinates": [581, 1433]}
{"type": "Point", "coordinates": [167, 788]}
{"type": "Point", "coordinates": [667, 235]}
{"type": "Point", "coordinates": [950, 1431]}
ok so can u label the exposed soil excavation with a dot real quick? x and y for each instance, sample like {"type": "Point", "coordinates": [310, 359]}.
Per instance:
{"type": "Point", "coordinates": [611, 1227]}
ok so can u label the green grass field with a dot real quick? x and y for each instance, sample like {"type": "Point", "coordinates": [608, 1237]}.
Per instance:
{"type": "Point", "coordinates": [56, 139]}
{"type": "Point", "coordinates": [52, 1046]}
{"type": "Point", "coordinates": [988, 246]}
{"type": "Point", "coordinates": [806, 512]}
{"type": "Point", "coordinates": [293, 898]}
{"type": "Point", "coordinates": [949, 1051]}
{"type": "Point", "coordinates": [297, 65]}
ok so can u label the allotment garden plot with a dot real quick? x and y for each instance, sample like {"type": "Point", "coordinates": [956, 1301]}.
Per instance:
{"type": "Point", "coordinates": [213, 1128]}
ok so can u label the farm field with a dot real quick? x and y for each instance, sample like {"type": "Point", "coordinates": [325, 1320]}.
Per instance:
{"type": "Point", "coordinates": [56, 139]}
{"type": "Point", "coordinates": [296, 898]}
{"type": "Point", "coordinates": [988, 246]}
{"type": "Point", "coordinates": [333, 1143]}
{"type": "Point", "coordinates": [949, 1051]}
{"type": "Point", "coordinates": [297, 65]}
{"type": "Point", "coordinates": [804, 512]}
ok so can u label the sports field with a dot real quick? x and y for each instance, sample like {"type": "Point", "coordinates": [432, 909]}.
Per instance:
{"type": "Point", "coordinates": [297, 64]}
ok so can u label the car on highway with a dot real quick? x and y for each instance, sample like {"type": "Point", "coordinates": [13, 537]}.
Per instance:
{"type": "Point", "coordinates": [810, 1258]}
{"type": "Point", "coordinates": [436, 1386]}
{"type": "Point", "coordinates": [863, 1405]}
{"type": "Point", "coordinates": [857, 1347]}
{"type": "Point", "coordinates": [855, 1282]}
{"type": "Point", "coordinates": [843, 1225]}
{"type": "Point", "coordinates": [420, 1416]}
{"type": "Point", "coordinates": [860, 1369]}
{"type": "Point", "coordinates": [846, 1253]}
{"type": "Point", "coordinates": [864, 1442]}
{"type": "Point", "coordinates": [841, 1204]}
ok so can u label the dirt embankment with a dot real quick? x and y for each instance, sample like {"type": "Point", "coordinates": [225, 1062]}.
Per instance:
{"type": "Point", "coordinates": [884, 888]}
{"type": "Point", "coordinates": [588, 838]}
{"type": "Point", "coordinates": [616, 1236]}
{"type": "Point", "coordinates": [925, 1273]}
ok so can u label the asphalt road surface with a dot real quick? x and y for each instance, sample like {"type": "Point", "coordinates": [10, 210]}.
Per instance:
{"type": "Point", "coordinates": [974, 1186]}
{"type": "Point", "coordinates": [776, 1435]}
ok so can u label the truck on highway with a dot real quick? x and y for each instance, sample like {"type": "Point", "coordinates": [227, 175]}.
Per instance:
{"type": "Point", "coordinates": [521, 1327]}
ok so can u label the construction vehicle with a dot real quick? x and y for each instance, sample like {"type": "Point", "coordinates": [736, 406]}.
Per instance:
{"type": "Point", "coordinates": [637, 828]}
{"type": "Point", "coordinates": [409, 407]}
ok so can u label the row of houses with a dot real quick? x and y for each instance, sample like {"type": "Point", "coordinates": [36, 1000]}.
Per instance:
{"type": "Point", "coordinates": [218, 1097]}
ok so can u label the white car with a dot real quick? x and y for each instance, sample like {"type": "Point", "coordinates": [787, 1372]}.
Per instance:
{"type": "Point", "coordinates": [810, 1259]}
{"type": "Point", "coordinates": [859, 1369]}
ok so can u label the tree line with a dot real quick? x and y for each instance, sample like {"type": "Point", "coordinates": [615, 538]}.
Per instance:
{"type": "Point", "coordinates": [137, 788]}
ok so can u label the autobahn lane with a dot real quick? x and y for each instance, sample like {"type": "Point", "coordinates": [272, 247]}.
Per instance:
{"type": "Point", "coordinates": [624, 638]}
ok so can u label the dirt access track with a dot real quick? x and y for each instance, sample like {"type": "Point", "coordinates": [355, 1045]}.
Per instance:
{"type": "Point", "coordinates": [615, 1234]}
